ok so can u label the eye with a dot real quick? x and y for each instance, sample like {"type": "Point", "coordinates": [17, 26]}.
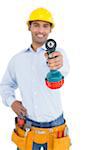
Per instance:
{"type": "Point", "coordinates": [46, 25]}
{"type": "Point", "coordinates": [35, 24]}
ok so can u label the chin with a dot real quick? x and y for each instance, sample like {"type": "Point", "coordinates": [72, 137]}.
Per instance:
{"type": "Point", "coordinates": [41, 41]}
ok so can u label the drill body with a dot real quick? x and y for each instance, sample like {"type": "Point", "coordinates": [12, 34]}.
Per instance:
{"type": "Point", "coordinates": [54, 79]}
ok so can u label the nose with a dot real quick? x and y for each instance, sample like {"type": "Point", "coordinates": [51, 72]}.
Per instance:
{"type": "Point", "coordinates": [41, 30]}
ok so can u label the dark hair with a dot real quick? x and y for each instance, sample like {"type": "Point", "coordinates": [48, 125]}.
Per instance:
{"type": "Point", "coordinates": [32, 21]}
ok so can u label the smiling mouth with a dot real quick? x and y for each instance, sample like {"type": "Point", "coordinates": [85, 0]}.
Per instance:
{"type": "Point", "coordinates": [40, 35]}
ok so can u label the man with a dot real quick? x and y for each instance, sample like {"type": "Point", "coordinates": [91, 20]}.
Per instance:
{"type": "Point", "coordinates": [27, 71]}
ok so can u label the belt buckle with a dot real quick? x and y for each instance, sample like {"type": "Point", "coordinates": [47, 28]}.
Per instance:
{"type": "Point", "coordinates": [51, 130]}
{"type": "Point", "coordinates": [40, 132]}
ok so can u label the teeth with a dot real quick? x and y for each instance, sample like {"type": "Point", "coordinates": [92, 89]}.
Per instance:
{"type": "Point", "coordinates": [40, 35]}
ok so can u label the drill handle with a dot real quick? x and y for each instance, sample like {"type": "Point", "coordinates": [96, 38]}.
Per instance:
{"type": "Point", "coordinates": [49, 51]}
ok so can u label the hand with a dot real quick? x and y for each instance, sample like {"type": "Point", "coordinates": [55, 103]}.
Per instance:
{"type": "Point", "coordinates": [56, 62]}
{"type": "Point", "coordinates": [18, 108]}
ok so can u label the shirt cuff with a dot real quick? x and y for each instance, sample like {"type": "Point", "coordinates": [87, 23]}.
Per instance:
{"type": "Point", "coordinates": [10, 100]}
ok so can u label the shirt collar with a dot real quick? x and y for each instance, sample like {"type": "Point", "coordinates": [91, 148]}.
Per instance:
{"type": "Point", "coordinates": [42, 48]}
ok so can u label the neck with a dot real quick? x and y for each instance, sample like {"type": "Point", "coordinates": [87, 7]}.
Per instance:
{"type": "Point", "coordinates": [35, 46]}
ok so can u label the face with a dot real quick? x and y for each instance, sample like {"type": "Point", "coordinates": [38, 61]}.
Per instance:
{"type": "Point", "coordinates": [40, 31]}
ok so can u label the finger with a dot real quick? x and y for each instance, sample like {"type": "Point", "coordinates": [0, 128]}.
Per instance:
{"type": "Point", "coordinates": [22, 108]}
{"type": "Point", "coordinates": [51, 65]}
{"type": "Point", "coordinates": [53, 54]}
{"type": "Point", "coordinates": [17, 111]}
{"type": "Point", "coordinates": [58, 63]}
{"type": "Point", "coordinates": [56, 67]}
{"type": "Point", "coordinates": [50, 56]}
{"type": "Point", "coordinates": [21, 111]}
{"type": "Point", "coordinates": [53, 60]}
{"type": "Point", "coordinates": [59, 58]}
{"type": "Point", "coordinates": [24, 113]}
{"type": "Point", "coordinates": [55, 64]}
{"type": "Point", "coordinates": [56, 53]}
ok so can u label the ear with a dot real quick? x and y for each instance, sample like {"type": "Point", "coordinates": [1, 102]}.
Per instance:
{"type": "Point", "coordinates": [50, 30]}
{"type": "Point", "coordinates": [29, 27]}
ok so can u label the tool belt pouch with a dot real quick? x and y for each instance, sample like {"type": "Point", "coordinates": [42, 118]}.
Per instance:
{"type": "Point", "coordinates": [62, 143]}
{"type": "Point", "coordinates": [18, 138]}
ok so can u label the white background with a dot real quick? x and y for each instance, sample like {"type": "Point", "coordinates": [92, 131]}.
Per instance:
{"type": "Point", "coordinates": [78, 32]}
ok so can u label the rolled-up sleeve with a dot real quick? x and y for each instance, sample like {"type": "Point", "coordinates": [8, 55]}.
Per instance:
{"type": "Point", "coordinates": [8, 84]}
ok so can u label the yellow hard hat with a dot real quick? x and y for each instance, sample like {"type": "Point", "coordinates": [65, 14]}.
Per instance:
{"type": "Point", "coordinates": [41, 14]}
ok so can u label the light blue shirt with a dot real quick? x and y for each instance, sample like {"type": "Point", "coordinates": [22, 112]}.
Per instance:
{"type": "Point", "coordinates": [27, 71]}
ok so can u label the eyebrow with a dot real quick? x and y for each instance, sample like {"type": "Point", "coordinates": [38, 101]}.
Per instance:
{"type": "Point", "coordinates": [46, 23]}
